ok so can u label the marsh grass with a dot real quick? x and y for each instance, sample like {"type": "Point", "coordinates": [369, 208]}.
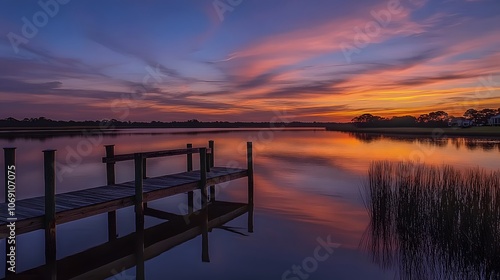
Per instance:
{"type": "Point", "coordinates": [434, 222]}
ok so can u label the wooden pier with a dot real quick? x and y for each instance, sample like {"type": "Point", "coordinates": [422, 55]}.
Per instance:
{"type": "Point", "coordinates": [52, 209]}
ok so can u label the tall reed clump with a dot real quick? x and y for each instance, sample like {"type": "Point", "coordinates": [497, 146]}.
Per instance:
{"type": "Point", "coordinates": [434, 222]}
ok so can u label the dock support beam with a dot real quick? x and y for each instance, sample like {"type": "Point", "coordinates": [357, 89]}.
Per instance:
{"type": "Point", "coordinates": [139, 213]}
{"type": "Point", "coordinates": [189, 167]}
{"type": "Point", "coordinates": [204, 205]}
{"type": "Point", "coordinates": [250, 186]}
{"type": "Point", "coordinates": [111, 179]}
{"type": "Point", "coordinates": [211, 164]}
{"type": "Point", "coordinates": [50, 213]}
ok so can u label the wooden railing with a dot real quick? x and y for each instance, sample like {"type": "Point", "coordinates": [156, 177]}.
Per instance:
{"type": "Point", "coordinates": [206, 162]}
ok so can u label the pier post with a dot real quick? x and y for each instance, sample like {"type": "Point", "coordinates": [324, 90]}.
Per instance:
{"type": "Point", "coordinates": [139, 212]}
{"type": "Point", "coordinates": [144, 176]}
{"type": "Point", "coordinates": [204, 205]}
{"type": "Point", "coordinates": [139, 206]}
{"type": "Point", "coordinates": [189, 158]}
{"type": "Point", "coordinates": [250, 186]}
{"type": "Point", "coordinates": [211, 164]}
{"type": "Point", "coordinates": [50, 213]}
{"type": "Point", "coordinates": [190, 168]}
{"type": "Point", "coordinates": [144, 173]}
{"type": "Point", "coordinates": [111, 180]}
{"type": "Point", "coordinates": [212, 156]}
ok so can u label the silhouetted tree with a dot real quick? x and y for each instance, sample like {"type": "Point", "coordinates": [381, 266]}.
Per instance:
{"type": "Point", "coordinates": [438, 118]}
{"type": "Point", "coordinates": [424, 118]}
{"type": "Point", "coordinates": [471, 114]}
{"type": "Point", "coordinates": [403, 121]}
{"type": "Point", "coordinates": [366, 118]}
{"type": "Point", "coordinates": [482, 116]}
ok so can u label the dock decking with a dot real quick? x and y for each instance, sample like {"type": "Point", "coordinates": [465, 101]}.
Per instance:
{"type": "Point", "coordinates": [30, 213]}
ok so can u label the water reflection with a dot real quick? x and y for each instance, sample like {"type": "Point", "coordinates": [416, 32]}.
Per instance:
{"type": "Point", "coordinates": [307, 185]}
{"type": "Point", "coordinates": [114, 258]}
{"type": "Point", "coordinates": [434, 222]}
{"type": "Point", "coordinates": [47, 134]}
{"type": "Point", "coordinates": [470, 143]}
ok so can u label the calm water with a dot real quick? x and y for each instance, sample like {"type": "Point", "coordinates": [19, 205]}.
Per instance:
{"type": "Point", "coordinates": [308, 187]}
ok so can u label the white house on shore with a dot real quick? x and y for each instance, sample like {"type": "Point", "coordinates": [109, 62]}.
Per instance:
{"type": "Point", "coordinates": [494, 120]}
{"type": "Point", "coordinates": [460, 122]}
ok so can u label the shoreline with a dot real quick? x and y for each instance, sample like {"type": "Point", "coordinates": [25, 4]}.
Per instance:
{"type": "Point", "coordinates": [49, 132]}
{"type": "Point", "coordinates": [480, 131]}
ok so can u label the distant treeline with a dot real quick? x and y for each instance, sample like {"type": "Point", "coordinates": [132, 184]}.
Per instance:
{"type": "Point", "coordinates": [432, 119]}
{"type": "Point", "coordinates": [43, 122]}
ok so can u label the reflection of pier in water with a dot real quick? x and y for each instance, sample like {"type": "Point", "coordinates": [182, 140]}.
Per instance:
{"type": "Point", "coordinates": [105, 260]}
{"type": "Point", "coordinates": [46, 212]}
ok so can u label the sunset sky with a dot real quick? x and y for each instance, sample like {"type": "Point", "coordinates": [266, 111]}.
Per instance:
{"type": "Point", "coordinates": [247, 60]}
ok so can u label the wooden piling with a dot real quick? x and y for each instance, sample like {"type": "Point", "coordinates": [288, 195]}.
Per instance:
{"type": "Point", "coordinates": [189, 158]}
{"type": "Point", "coordinates": [111, 180]}
{"type": "Point", "coordinates": [144, 173]}
{"type": "Point", "coordinates": [50, 213]}
{"type": "Point", "coordinates": [204, 203]}
{"type": "Point", "coordinates": [207, 163]}
{"type": "Point", "coordinates": [144, 176]}
{"type": "Point", "coordinates": [212, 155]}
{"type": "Point", "coordinates": [140, 273]}
{"type": "Point", "coordinates": [110, 166]}
{"type": "Point", "coordinates": [212, 164]}
{"type": "Point", "coordinates": [250, 186]}
{"type": "Point", "coordinates": [139, 213]}
{"type": "Point", "coordinates": [190, 168]}
{"type": "Point", "coordinates": [139, 201]}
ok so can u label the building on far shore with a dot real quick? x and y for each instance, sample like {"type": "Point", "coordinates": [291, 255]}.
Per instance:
{"type": "Point", "coordinates": [460, 122]}
{"type": "Point", "coordinates": [494, 120]}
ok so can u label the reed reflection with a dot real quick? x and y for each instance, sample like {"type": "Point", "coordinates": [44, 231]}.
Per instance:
{"type": "Point", "coordinates": [434, 222]}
